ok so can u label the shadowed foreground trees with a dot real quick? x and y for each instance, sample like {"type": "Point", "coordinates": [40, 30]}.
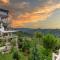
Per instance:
{"type": "Point", "coordinates": [49, 41]}
{"type": "Point", "coordinates": [37, 47]}
{"type": "Point", "coordinates": [16, 56]}
{"type": "Point", "coordinates": [41, 46]}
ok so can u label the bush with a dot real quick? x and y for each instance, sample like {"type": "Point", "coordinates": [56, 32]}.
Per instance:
{"type": "Point", "coordinates": [16, 56]}
{"type": "Point", "coordinates": [49, 41]}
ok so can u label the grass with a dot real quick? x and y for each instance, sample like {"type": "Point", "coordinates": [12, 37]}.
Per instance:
{"type": "Point", "coordinates": [6, 56]}
{"type": "Point", "coordinates": [9, 56]}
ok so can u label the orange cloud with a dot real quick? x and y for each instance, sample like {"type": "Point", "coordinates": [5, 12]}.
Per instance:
{"type": "Point", "coordinates": [38, 14]}
{"type": "Point", "coordinates": [4, 2]}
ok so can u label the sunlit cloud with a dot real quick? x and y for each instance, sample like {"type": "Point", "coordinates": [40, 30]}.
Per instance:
{"type": "Point", "coordinates": [38, 14]}
{"type": "Point", "coordinates": [23, 12]}
{"type": "Point", "coordinates": [4, 2]}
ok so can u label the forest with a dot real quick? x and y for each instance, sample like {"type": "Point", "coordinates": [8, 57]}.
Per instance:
{"type": "Point", "coordinates": [37, 46]}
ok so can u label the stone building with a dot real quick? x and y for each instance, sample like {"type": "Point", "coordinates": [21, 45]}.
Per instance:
{"type": "Point", "coordinates": [56, 56]}
{"type": "Point", "coordinates": [6, 32]}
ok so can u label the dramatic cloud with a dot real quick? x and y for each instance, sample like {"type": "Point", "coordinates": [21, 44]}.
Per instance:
{"type": "Point", "coordinates": [38, 14]}
{"type": "Point", "coordinates": [4, 2]}
{"type": "Point", "coordinates": [30, 11]}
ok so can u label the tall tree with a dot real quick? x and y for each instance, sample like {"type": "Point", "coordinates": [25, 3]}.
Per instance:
{"type": "Point", "coordinates": [49, 41]}
{"type": "Point", "coordinates": [15, 56]}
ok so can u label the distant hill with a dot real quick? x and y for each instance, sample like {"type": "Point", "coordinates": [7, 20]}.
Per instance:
{"type": "Point", "coordinates": [45, 31]}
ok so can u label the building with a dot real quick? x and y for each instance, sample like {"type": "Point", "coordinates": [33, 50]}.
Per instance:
{"type": "Point", "coordinates": [6, 32]}
{"type": "Point", "coordinates": [56, 56]}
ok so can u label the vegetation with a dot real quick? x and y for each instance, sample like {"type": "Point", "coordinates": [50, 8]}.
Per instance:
{"type": "Point", "coordinates": [15, 56]}
{"type": "Point", "coordinates": [35, 47]}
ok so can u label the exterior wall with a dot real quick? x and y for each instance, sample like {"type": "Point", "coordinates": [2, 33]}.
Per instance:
{"type": "Point", "coordinates": [56, 56]}
{"type": "Point", "coordinates": [2, 13]}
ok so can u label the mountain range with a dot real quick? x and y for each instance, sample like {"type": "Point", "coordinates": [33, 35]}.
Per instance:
{"type": "Point", "coordinates": [45, 31]}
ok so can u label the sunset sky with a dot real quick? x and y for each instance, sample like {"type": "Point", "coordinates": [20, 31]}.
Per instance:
{"type": "Point", "coordinates": [33, 13]}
